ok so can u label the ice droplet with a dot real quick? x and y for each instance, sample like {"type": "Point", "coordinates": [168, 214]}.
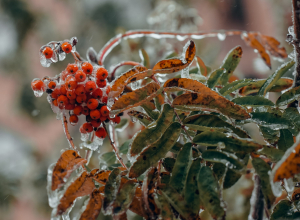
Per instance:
{"type": "Point", "coordinates": [73, 49]}
{"type": "Point", "coordinates": [53, 196]}
{"type": "Point", "coordinates": [84, 137]}
{"type": "Point", "coordinates": [181, 38]}
{"type": "Point", "coordinates": [221, 36]}
{"type": "Point", "coordinates": [45, 62]}
{"type": "Point", "coordinates": [110, 102]}
{"type": "Point", "coordinates": [185, 73]}
{"type": "Point", "coordinates": [38, 93]}
{"type": "Point", "coordinates": [61, 56]}
{"type": "Point", "coordinates": [289, 185]}
{"type": "Point", "coordinates": [276, 187]}
{"type": "Point", "coordinates": [291, 30]}
{"type": "Point", "coordinates": [134, 85]}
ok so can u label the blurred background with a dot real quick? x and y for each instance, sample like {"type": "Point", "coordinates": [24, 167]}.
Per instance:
{"type": "Point", "coordinates": [30, 136]}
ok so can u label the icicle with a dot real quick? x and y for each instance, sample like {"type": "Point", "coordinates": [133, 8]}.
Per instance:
{"type": "Point", "coordinates": [276, 187]}
{"type": "Point", "coordinates": [185, 73]}
{"type": "Point", "coordinates": [289, 185]}
{"type": "Point", "coordinates": [53, 196]}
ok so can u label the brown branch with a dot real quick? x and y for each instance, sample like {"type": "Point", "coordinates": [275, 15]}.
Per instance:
{"type": "Point", "coordinates": [114, 147]}
{"type": "Point", "coordinates": [257, 201]}
{"type": "Point", "coordinates": [67, 133]}
{"type": "Point", "coordinates": [130, 63]}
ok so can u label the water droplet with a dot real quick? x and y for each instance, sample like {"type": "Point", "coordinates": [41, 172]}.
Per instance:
{"type": "Point", "coordinates": [45, 62]}
{"type": "Point", "coordinates": [38, 93]}
{"type": "Point", "coordinates": [221, 36]}
{"type": "Point", "coordinates": [62, 56]}
{"type": "Point", "coordinates": [185, 73]}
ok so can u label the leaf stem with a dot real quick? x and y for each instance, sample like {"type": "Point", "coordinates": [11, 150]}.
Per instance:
{"type": "Point", "coordinates": [67, 133]}
{"type": "Point", "coordinates": [114, 147]}
{"type": "Point", "coordinates": [130, 63]}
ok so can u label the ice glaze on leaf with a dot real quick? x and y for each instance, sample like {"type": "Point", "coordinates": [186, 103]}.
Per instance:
{"type": "Point", "coordinates": [289, 96]}
{"type": "Point", "coordinates": [145, 58]}
{"type": "Point", "coordinates": [144, 119]}
{"type": "Point", "coordinates": [231, 87]}
{"type": "Point", "coordinates": [156, 151]}
{"type": "Point", "coordinates": [68, 161]}
{"type": "Point", "coordinates": [93, 207]}
{"type": "Point", "coordinates": [253, 101]}
{"type": "Point", "coordinates": [272, 153]}
{"type": "Point", "coordinates": [101, 176]}
{"type": "Point", "coordinates": [201, 66]}
{"type": "Point", "coordinates": [272, 46]}
{"type": "Point", "coordinates": [214, 77]}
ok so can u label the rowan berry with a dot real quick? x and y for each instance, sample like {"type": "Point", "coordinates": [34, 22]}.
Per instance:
{"type": "Point", "coordinates": [104, 111]}
{"type": "Point", "coordinates": [104, 99]}
{"type": "Point", "coordinates": [87, 68]}
{"type": "Point", "coordinates": [101, 133]}
{"type": "Point", "coordinates": [62, 100]}
{"type": "Point", "coordinates": [66, 47]}
{"type": "Point", "coordinates": [72, 101]}
{"type": "Point", "coordinates": [116, 120]}
{"type": "Point", "coordinates": [78, 110]}
{"type": "Point", "coordinates": [101, 73]}
{"type": "Point", "coordinates": [80, 90]}
{"type": "Point", "coordinates": [88, 118]}
{"type": "Point", "coordinates": [55, 102]}
{"type": "Point", "coordinates": [97, 94]}
{"type": "Point", "coordinates": [81, 98]}
{"type": "Point", "coordinates": [96, 123]}
{"type": "Point", "coordinates": [63, 89]}
{"type": "Point", "coordinates": [95, 114]}
{"type": "Point", "coordinates": [85, 110]}
{"type": "Point", "coordinates": [80, 76]}
{"type": "Point", "coordinates": [81, 130]}
{"type": "Point", "coordinates": [48, 52]}
{"type": "Point", "coordinates": [52, 85]}
{"type": "Point", "coordinates": [71, 94]}
{"type": "Point", "coordinates": [90, 86]}
{"type": "Point", "coordinates": [87, 127]}
{"type": "Point", "coordinates": [101, 83]}
{"type": "Point", "coordinates": [69, 106]}
{"type": "Point", "coordinates": [103, 118]}
{"type": "Point", "coordinates": [73, 119]}
{"type": "Point", "coordinates": [107, 90]}
{"type": "Point", "coordinates": [92, 104]}
{"type": "Point", "coordinates": [72, 68]}
{"type": "Point", "coordinates": [56, 92]}
{"type": "Point", "coordinates": [38, 85]}
{"type": "Point", "coordinates": [71, 82]}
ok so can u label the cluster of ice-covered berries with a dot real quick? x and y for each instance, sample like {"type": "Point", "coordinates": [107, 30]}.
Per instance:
{"type": "Point", "coordinates": [82, 90]}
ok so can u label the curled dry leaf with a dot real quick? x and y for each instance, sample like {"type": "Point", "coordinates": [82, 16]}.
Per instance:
{"type": "Point", "coordinates": [94, 205]}
{"type": "Point", "coordinates": [252, 41]}
{"type": "Point", "coordinates": [68, 161]}
{"type": "Point", "coordinates": [101, 176]}
{"type": "Point", "coordinates": [135, 98]}
{"type": "Point", "coordinates": [175, 65]}
{"type": "Point", "coordinates": [82, 186]}
{"type": "Point", "coordinates": [272, 45]}
{"type": "Point", "coordinates": [137, 205]}
{"type": "Point", "coordinates": [201, 66]}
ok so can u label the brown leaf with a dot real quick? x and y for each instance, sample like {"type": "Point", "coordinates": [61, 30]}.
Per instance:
{"type": "Point", "coordinates": [201, 65]}
{"type": "Point", "coordinates": [93, 207]}
{"type": "Point", "coordinates": [186, 84]}
{"type": "Point", "coordinates": [68, 161]}
{"type": "Point", "coordinates": [137, 205]}
{"type": "Point", "coordinates": [82, 186]}
{"type": "Point", "coordinates": [272, 45]}
{"type": "Point", "coordinates": [253, 42]}
{"type": "Point", "coordinates": [296, 195]}
{"type": "Point", "coordinates": [175, 65]}
{"type": "Point", "coordinates": [101, 176]}
{"type": "Point", "coordinates": [135, 98]}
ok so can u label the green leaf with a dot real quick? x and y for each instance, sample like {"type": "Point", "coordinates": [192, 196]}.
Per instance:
{"type": "Point", "coordinates": [111, 189]}
{"type": "Point", "coordinates": [230, 62]}
{"type": "Point", "coordinates": [165, 177]}
{"type": "Point", "coordinates": [168, 164]}
{"type": "Point", "coordinates": [285, 140]}
{"type": "Point", "coordinates": [289, 96]}
{"type": "Point", "coordinates": [176, 148]}
{"type": "Point", "coordinates": [253, 101]}
{"type": "Point", "coordinates": [227, 159]}
{"type": "Point", "coordinates": [166, 211]}
{"type": "Point", "coordinates": [208, 187]}
{"type": "Point", "coordinates": [293, 116]}
{"type": "Point", "coordinates": [156, 151]}
{"type": "Point", "coordinates": [214, 77]}
{"type": "Point", "coordinates": [233, 144]}
{"type": "Point", "coordinates": [263, 169]}
{"type": "Point", "coordinates": [177, 201]}
{"type": "Point", "coordinates": [181, 167]}
{"type": "Point", "coordinates": [124, 197]}
{"type": "Point", "coordinates": [145, 58]}
{"type": "Point", "coordinates": [151, 134]}
{"type": "Point", "coordinates": [231, 87]}
{"type": "Point", "coordinates": [153, 114]}
{"type": "Point", "coordinates": [203, 69]}
{"type": "Point", "coordinates": [271, 120]}
{"type": "Point", "coordinates": [191, 191]}
{"type": "Point", "coordinates": [144, 119]}
{"type": "Point", "coordinates": [272, 153]}
{"type": "Point", "coordinates": [284, 211]}
{"type": "Point", "coordinates": [107, 159]}
{"type": "Point", "coordinates": [213, 122]}
{"type": "Point", "coordinates": [269, 134]}
{"type": "Point", "coordinates": [123, 149]}
{"type": "Point", "coordinates": [122, 125]}
{"type": "Point", "coordinates": [274, 77]}
{"type": "Point", "coordinates": [157, 102]}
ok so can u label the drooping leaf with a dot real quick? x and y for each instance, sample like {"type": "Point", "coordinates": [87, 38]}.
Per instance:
{"type": "Point", "coordinates": [253, 87]}
{"type": "Point", "coordinates": [82, 186]}
{"type": "Point", "coordinates": [175, 65]}
{"type": "Point", "coordinates": [272, 153]}
{"type": "Point", "coordinates": [166, 211]}
{"type": "Point", "coordinates": [156, 151]}
{"type": "Point", "coordinates": [145, 58]}
{"type": "Point", "coordinates": [191, 191]}
{"type": "Point", "coordinates": [230, 160]}
{"type": "Point", "coordinates": [152, 134]}
{"type": "Point", "coordinates": [68, 161]}
{"type": "Point", "coordinates": [275, 76]}
{"type": "Point", "coordinates": [159, 101]}
{"type": "Point", "coordinates": [122, 125]}
{"type": "Point", "coordinates": [107, 159]}
{"type": "Point", "coordinates": [201, 66]}
{"type": "Point", "coordinates": [263, 169]}
{"type": "Point", "coordinates": [213, 122]}
{"type": "Point", "coordinates": [233, 144]}
{"type": "Point", "coordinates": [285, 140]}
{"type": "Point", "coordinates": [135, 98]}
{"type": "Point", "coordinates": [231, 176]}
{"type": "Point", "coordinates": [293, 116]}
{"type": "Point", "coordinates": [272, 120]}
{"type": "Point", "coordinates": [230, 63]}
{"type": "Point", "coordinates": [144, 119]}
{"type": "Point", "coordinates": [289, 96]}
{"type": "Point", "coordinates": [231, 87]}
{"type": "Point", "coordinates": [149, 108]}
{"type": "Point", "coordinates": [284, 211]}
{"type": "Point", "coordinates": [214, 77]}
{"type": "Point", "coordinates": [124, 197]}
{"type": "Point", "coordinates": [252, 41]}
{"type": "Point", "coordinates": [272, 46]}
{"type": "Point", "coordinates": [93, 207]}
{"type": "Point", "coordinates": [168, 164]}
{"type": "Point", "coordinates": [253, 101]}
{"type": "Point", "coordinates": [119, 84]}
{"type": "Point", "coordinates": [137, 205]}
{"type": "Point", "coordinates": [111, 189]}
{"type": "Point", "coordinates": [181, 167]}
{"type": "Point", "coordinates": [123, 149]}
{"type": "Point", "coordinates": [208, 188]}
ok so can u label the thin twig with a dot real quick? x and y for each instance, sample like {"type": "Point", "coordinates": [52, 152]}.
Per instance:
{"type": "Point", "coordinates": [114, 147]}
{"type": "Point", "coordinates": [257, 201]}
{"type": "Point", "coordinates": [66, 130]}
{"type": "Point", "coordinates": [125, 63]}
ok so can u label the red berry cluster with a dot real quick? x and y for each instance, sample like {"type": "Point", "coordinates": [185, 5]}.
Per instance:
{"type": "Point", "coordinates": [80, 89]}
